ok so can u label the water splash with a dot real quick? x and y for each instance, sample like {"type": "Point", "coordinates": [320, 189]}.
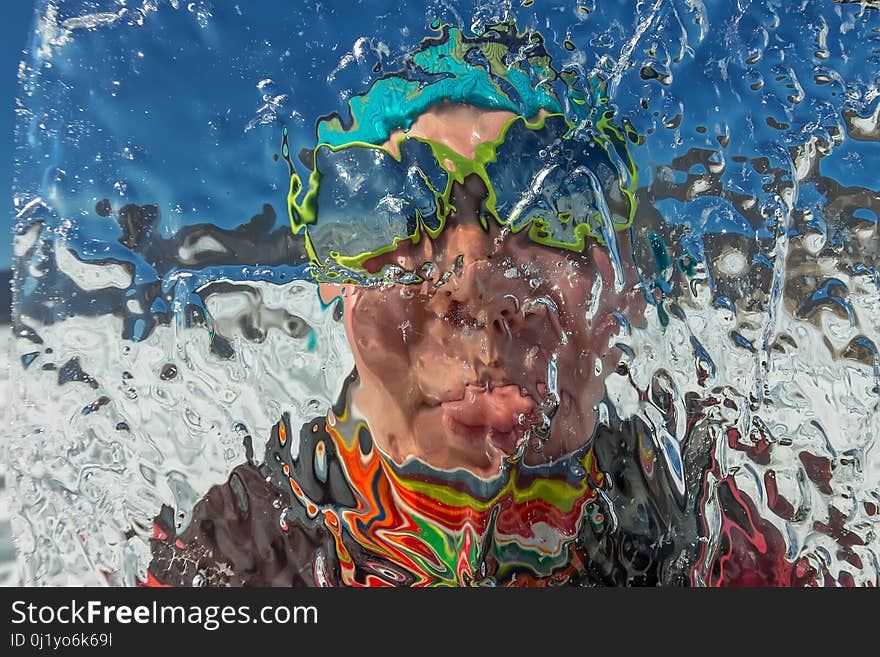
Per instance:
{"type": "Point", "coordinates": [165, 318]}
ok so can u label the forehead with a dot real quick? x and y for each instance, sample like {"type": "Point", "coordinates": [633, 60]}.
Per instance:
{"type": "Point", "coordinates": [459, 127]}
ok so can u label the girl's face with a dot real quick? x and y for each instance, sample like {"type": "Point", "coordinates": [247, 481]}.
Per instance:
{"type": "Point", "coordinates": [455, 371]}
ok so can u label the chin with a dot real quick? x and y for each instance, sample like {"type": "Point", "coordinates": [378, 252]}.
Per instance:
{"type": "Point", "coordinates": [494, 465]}
{"type": "Point", "coordinates": [446, 445]}
{"type": "Point", "coordinates": [485, 457]}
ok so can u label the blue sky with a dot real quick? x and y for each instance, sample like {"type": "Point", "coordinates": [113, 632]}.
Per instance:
{"type": "Point", "coordinates": [14, 29]}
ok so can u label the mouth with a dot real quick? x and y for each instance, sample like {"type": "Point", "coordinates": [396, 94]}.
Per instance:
{"type": "Point", "coordinates": [500, 416]}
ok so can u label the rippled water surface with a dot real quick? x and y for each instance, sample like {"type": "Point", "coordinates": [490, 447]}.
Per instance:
{"type": "Point", "coordinates": [168, 329]}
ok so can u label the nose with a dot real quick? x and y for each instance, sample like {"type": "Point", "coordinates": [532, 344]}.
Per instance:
{"type": "Point", "coordinates": [479, 295]}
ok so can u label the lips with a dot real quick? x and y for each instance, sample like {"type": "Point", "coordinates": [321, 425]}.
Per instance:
{"type": "Point", "coordinates": [500, 415]}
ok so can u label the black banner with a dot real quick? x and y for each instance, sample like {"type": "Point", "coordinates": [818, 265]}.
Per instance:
{"type": "Point", "coordinates": [116, 621]}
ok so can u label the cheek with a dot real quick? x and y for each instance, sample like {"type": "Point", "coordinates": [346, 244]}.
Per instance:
{"type": "Point", "coordinates": [590, 331]}
{"type": "Point", "coordinates": [380, 330]}
{"type": "Point", "coordinates": [590, 322]}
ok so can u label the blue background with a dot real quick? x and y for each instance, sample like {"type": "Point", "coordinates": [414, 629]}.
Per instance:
{"type": "Point", "coordinates": [14, 29]}
{"type": "Point", "coordinates": [184, 110]}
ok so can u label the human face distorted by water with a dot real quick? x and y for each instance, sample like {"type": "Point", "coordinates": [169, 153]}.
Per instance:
{"type": "Point", "coordinates": [501, 336]}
